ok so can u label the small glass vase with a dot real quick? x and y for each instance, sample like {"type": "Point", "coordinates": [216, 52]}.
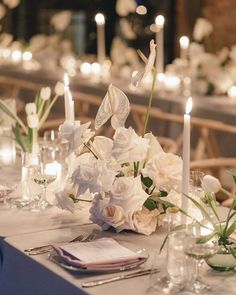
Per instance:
{"type": "Point", "coordinates": [224, 259]}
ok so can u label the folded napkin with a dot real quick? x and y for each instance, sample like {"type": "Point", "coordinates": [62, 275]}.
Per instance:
{"type": "Point", "coordinates": [101, 254]}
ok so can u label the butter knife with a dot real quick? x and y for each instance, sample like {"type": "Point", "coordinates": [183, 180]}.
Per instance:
{"type": "Point", "coordinates": [139, 273]}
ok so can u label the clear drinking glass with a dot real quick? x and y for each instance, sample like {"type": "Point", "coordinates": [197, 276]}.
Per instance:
{"type": "Point", "coordinates": [177, 265]}
{"type": "Point", "coordinates": [199, 251]}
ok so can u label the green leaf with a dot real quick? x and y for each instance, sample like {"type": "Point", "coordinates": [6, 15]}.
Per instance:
{"type": "Point", "coordinates": [163, 194]}
{"type": "Point", "coordinates": [231, 229]}
{"type": "Point", "coordinates": [37, 102]}
{"type": "Point", "coordinates": [150, 204]}
{"type": "Point", "coordinates": [30, 138]}
{"type": "Point", "coordinates": [147, 181]}
{"type": "Point", "coordinates": [206, 238]}
{"type": "Point", "coordinates": [20, 139]}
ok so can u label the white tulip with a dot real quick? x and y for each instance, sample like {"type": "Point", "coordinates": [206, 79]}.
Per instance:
{"type": "Point", "coordinates": [45, 93]}
{"type": "Point", "coordinates": [59, 88]}
{"type": "Point", "coordinates": [211, 184]}
{"type": "Point", "coordinates": [33, 121]}
{"type": "Point", "coordinates": [30, 108]}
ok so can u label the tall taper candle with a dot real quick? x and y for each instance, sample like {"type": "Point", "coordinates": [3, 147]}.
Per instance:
{"type": "Point", "coordinates": [184, 44]}
{"type": "Point", "coordinates": [101, 54]}
{"type": "Point", "coordinates": [160, 20]}
{"type": "Point", "coordinates": [186, 158]}
{"type": "Point", "coordinates": [69, 103]}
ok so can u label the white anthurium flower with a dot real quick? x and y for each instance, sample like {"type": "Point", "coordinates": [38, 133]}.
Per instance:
{"type": "Point", "coordinates": [59, 88]}
{"type": "Point", "coordinates": [33, 121]}
{"type": "Point", "coordinates": [128, 146]}
{"type": "Point", "coordinates": [116, 106]}
{"type": "Point", "coordinates": [38, 42]}
{"type": "Point", "coordinates": [124, 7]}
{"type": "Point", "coordinates": [202, 29]}
{"type": "Point", "coordinates": [165, 169]}
{"type": "Point", "coordinates": [145, 221]}
{"type": "Point", "coordinates": [61, 20]}
{"type": "Point", "coordinates": [2, 11]}
{"type": "Point", "coordinates": [64, 202]}
{"type": "Point", "coordinates": [127, 29]}
{"type": "Point", "coordinates": [96, 209]}
{"type": "Point", "coordinates": [11, 3]}
{"type": "Point", "coordinates": [128, 193]}
{"type": "Point", "coordinates": [45, 93]}
{"type": "Point", "coordinates": [140, 75]}
{"type": "Point", "coordinates": [211, 184]}
{"type": "Point", "coordinates": [154, 146]}
{"type": "Point", "coordinates": [30, 108]}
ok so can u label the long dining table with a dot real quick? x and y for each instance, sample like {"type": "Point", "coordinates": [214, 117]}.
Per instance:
{"type": "Point", "coordinates": [23, 274]}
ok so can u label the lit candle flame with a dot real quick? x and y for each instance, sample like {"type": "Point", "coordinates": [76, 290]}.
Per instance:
{"type": "Point", "coordinates": [160, 20]}
{"type": "Point", "coordinates": [99, 18]}
{"type": "Point", "coordinates": [66, 80]}
{"type": "Point", "coordinates": [184, 42]}
{"type": "Point", "coordinates": [189, 105]}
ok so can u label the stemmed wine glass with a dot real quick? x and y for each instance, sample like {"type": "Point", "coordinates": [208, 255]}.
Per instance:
{"type": "Point", "coordinates": [44, 177]}
{"type": "Point", "coordinates": [199, 251]}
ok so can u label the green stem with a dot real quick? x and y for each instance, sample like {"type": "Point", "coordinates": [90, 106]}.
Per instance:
{"type": "Point", "coordinates": [149, 102]}
{"type": "Point", "coordinates": [228, 219]}
{"type": "Point", "coordinates": [46, 112]}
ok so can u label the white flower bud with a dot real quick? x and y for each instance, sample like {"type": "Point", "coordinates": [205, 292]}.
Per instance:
{"type": "Point", "coordinates": [59, 88]}
{"type": "Point", "coordinates": [211, 184]}
{"type": "Point", "coordinates": [45, 93]}
{"type": "Point", "coordinates": [33, 121]}
{"type": "Point", "coordinates": [30, 108]}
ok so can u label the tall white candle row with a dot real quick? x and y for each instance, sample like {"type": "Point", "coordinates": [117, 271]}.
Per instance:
{"type": "Point", "coordinates": [160, 20]}
{"type": "Point", "coordinates": [186, 157]}
{"type": "Point", "coordinates": [101, 51]}
{"type": "Point", "coordinates": [69, 103]}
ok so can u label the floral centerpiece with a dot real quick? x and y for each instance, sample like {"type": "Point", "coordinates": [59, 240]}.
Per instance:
{"type": "Point", "coordinates": [26, 135]}
{"type": "Point", "coordinates": [131, 179]}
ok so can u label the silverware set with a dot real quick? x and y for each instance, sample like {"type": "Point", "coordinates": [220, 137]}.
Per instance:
{"type": "Point", "coordinates": [47, 248]}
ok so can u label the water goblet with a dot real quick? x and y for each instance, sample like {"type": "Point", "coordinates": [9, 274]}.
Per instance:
{"type": "Point", "coordinates": [199, 251]}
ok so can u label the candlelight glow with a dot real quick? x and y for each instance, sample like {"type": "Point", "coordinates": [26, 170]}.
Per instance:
{"type": "Point", "coordinates": [27, 56]}
{"type": "Point", "coordinates": [95, 68]}
{"type": "Point", "coordinates": [99, 19]}
{"type": "Point", "coordinates": [160, 20]}
{"type": "Point", "coordinates": [66, 79]}
{"type": "Point", "coordinates": [171, 82]}
{"type": "Point", "coordinates": [161, 77]}
{"type": "Point", "coordinates": [16, 55]}
{"type": "Point", "coordinates": [184, 42]}
{"type": "Point", "coordinates": [141, 9]}
{"type": "Point", "coordinates": [85, 68]}
{"type": "Point", "coordinates": [232, 92]}
{"type": "Point", "coordinates": [189, 106]}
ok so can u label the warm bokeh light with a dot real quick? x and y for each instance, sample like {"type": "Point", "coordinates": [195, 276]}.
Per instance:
{"type": "Point", "coordinates": [27, 56]}
{"type": "Point", "coordinates": [160, 20]}
{"type": "Point", "coordinates": [85, 68]}
{"type": "Point", "coordinates": [16, 55]}
{"type": "Point", "coordinates": [232, 92]}
{"type": "Point", "coordinates": [141, 9]}
{"type": "Point", "coordinates": [95, 68]}
{"type": "Point", "coordinates": [184, 42]}
{"type": "Point", "coordinates": [99, 19]}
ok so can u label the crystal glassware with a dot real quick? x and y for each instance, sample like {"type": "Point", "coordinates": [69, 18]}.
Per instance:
{"type": "Point", "coordinates": [199, 250]}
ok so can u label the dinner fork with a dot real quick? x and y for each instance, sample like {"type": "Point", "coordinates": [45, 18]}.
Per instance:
{"type": "Point", "coordinates": [46, 248]}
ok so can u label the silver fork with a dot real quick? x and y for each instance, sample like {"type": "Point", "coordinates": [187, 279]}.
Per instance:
{"type": "Point", "coordinates": [46, 248]}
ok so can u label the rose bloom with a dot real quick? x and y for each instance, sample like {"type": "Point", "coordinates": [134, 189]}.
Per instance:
{"type": "Point", "coordinates": [33, 121]}
{"type": "Point", "coordinates": [45, 93]}
{"type": "Point", "coordinates": [174, 198]}
{"type": "Point", "coordinates": [113, 215]}
{"type": "Point", "coordinates": [128, 146]}
{"type": "Point", "coordinates": [165, 171]}
{"type": "Point", "coordinates": [145, 221]}
{"type": "Point", "coordinates": [128, 193]}
{"type": "Point", "coordinates": [30, 108]}
{"type": "Point", "coordinates": [97, 206]}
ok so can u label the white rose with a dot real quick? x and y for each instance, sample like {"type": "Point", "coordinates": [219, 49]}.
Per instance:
{"type": "Point", "coordinates": [113, 215]}
{"type": "Point", "coordinates": [145, 221]}
{"type": "Point", "coordinates": [33, 120]}
{"type": "Point", "coordinates": [45, 93]}
{"type": "Point", "coordinates": [30, 108]}
{"type": "Point", "coordinates": [95, 211]}
{"type": "Point", "coordinates": [126, 29]}
{"type": "Point", "coordinates": [174, 198]}
{"type": "Point", "coordinates": [211, 184]}
{"type": "Point", "coordinates": [128, 146]}
{"type": "Point", "coordinates": [61, 20]}
{"type": "Point", "coordinates": [2, 11]}
{"type": "Point", "coordinates": [154, 146]}
{"type": "Point", "coordinates": [11, 3]}
{"type": "Point", "coordinates": [202, 29]}
{"type": "Point", "coordinates": [128, 193]}
{"type": "Point", "coordinates": [165, 170]}
{"type": "Point", "coordinates": [59, 88]}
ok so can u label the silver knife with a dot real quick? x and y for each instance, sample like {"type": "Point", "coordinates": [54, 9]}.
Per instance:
{"type": "Point", "coordinates": [120, 277]}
